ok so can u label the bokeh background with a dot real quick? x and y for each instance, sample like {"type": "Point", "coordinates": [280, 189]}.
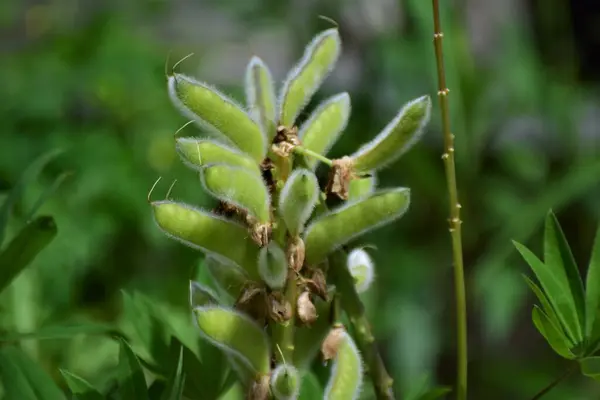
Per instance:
{"type": "Point", "coordinates": [88, 77]}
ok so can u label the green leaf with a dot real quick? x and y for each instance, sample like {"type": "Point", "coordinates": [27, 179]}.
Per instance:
{"type": "Point", "coordinates": [396, 138]}
{"type": "Point", "coordinates": [47, 194]}
{"type": "Point", "coordinates": [309, 73]}
{"type": "Point", "coordinates": [32, 171]}
{"type": "Point", "coordinates": [235, 333]}
{"type": "Point", "coordinates": [217, 111]}
{"type": "Point", "coordinates": [24, 379]}
{"type": "Point", "coordinates": [558, 257]}
{"type": "Point", "coordinates": [325, 125]}
{"type": "Point", "coordinates": [297, 200]}
{"type": "Point", "coordinates": [311, 388]}
{"type": "Point", "coordinates": [80, 386]}
{"type": "Point", "coordinates": [198, 153]}
{"type": "Point", "coordinates": [260, 95]}
{"type": "Point", "coordinates": [273, 265]}
{"type": "Point", "coordinates": [547, 307]}
{"type": "Point", "coordinates": [556, 291]}
{"type": "Point", "coordinates": [592, 300]}
{"type": "Point", "coordinates": [133, 385]}
{"type": "Point", "coordinates": [338, 227]}
{"type": "Point", "coordinates": [240, 188]}
{"type": "Point", "coordinates": [23, 249]}
{"type": "Point", "coordinates": [209, 233]}
{"type": "Point", "coordinates": [346, 376]}
{"type": "Point", "coordinates": [176, 382]}
{"type": "Point", "coordinates": [555, 339]}
{"type": "Point", "coordinates": [62, 331]}
{"type": "Point", "coordinates": [590, 367]}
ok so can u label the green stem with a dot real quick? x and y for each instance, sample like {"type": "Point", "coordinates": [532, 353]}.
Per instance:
{"type": "Point", "coordinates": [455, 222]}
{"type": "Point", "coordinates": [309, 153]}
{"type": "Point", "coordinates": [555, 382]}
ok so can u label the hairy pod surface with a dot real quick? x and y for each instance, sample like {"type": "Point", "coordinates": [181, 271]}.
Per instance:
{"type": "Point", "coordinates": [362, 269]}
{"type": "Point", "coordinates": [219, 112]}
{"type": "Point", "coordinates": [260, 95]}
{"type": "Point", "coordinates": [396, 138]}
{"type": "Point", "coordinates": [346, 377]}
{"type": "Point", "coordinates": [239, 187]}
{"type": "Point", "coordinates": [198, 153]}
{"type": "Point", "coordinates": [201, 295]}
{"type": "Point", "coordinates": [297, 199]}
{"type": "Point", "coordinates": [229, 279]}
{"type": "Point", "coordinates": [338, 227]}
{"type": "Point", "coordinates": [223, 239]}
{"type": "Point", "coordinates": [325, 125]}
{"type": "Point", "coordinates": [273, 266]}
{"type": "Point", "coordinates": [362, 187]}
{"type": "Point", "coordinates": [285, 382]}
{"type": "Point", "coordinates": [309, 73]}
{"type": "Point", "coordinates": [237, 334]}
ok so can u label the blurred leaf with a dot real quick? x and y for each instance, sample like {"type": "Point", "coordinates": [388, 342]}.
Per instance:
{"type": "Point", "coordinates": [28, 175]}
{"type": "Point", "coordinates": [22, 378]}
{"type": "Point", "coordinates": [62, 332]}
{"type": "Point", "coordinates": [592, 301]}
{"type": "Point", "coordinates": [175, 384]}
{"type": "Point", "coordinates": [435, 393]}
{"type": "Point", "coordinates": [590, 366]}
{"type": "Point", "coordinates": [47, 194]}
{"type": "Point", "coordinates": [24, 248]}
{"type": "Point", "coordinates": [80, 387]}
{"type": "Point", "coordinates": [310, 388]}
{"type": "Point", "coordinates": [134, 384]}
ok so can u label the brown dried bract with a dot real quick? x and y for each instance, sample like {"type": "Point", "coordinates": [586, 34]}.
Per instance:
{"type": "Point", "coordinates": [259, 389]}
{"type": "Point", "coordinates": [296, 252]}
{"type": "Point", "coordinates": [285, 140]}
{"type": "Point", "coordinates": [253, 301]}
{"type": "Point", "coordinates": [260, 233]}
{"type": "Point", "coordinates": [317, 284]}
{"type": "Point", "coordinates": [340, 176]}
{"type": "Point", "coordinates": [280, 310]}
{"type": "Point", "coordinates": [331, 344]}
{"type": "Point", "coordinates": [307, 312]}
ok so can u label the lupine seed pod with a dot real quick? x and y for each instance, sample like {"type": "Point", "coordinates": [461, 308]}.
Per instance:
{"type": "Point", "coordinates": [209, 233]}
{"type": "Point", "coordinates": [297, 199]}
{"type": "Point", "coordinates": [218, 112]}
{"type": "Point", "coordinates": [325, 125]}
{"type": "Point", "coordinates": [235, 333]}
{"type": "Point", "coordinates": [396, 138]}
{"type": "Point", "coordinates": [361, 268]}
{"type": "Point", "coordinates": [338, 227]}
{"type": "Point", "coordinates": [239, 187]}
{"type": "Point", "coordinates": [260, 95]}
{"type": "Point", "coordinates": [201, 295]}
{"type": "Point", "coordinates": [346, 377]}
{"type": "Point", "coordinates": [285, 382]}
{"type": "Point", "coordinates": [362, 187]}
{"type": "Point", "coordinates": [273, 266]}
{"type": "Point", "coordinates": [309, 73]}
{"type": "Point", "coordinates": [198, 153]}
{"type": "Point", "coordinates": [229, 279]}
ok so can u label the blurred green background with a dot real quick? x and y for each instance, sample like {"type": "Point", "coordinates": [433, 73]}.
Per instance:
{"type": "Point", "coordinates": [88, 77]}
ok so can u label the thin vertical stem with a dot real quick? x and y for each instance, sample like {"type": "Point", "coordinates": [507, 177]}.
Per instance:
{"type": "Point", "coordinates": [555, 382]}
{"type": "Point", "coordinates": [455, 222]}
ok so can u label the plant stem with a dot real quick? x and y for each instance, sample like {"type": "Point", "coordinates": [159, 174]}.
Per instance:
{"type": "Point", "coordinates": [555, 382]}
{"type": "Point", "coordinates": [455, 222]}
{"type": "Point", "coordinates": [365, 341]}
{"type": "Point", "coordinates": [310, 153]}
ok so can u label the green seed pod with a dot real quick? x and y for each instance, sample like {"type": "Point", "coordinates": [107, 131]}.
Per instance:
{"type": "Point", "coordinates": [201, 295]}
{"type": "Point", "coordinates": [239, 187]}
{"type": "Point", "coordinates": [309, 73]}
{"type": "Point", "coordinates": [396, 138]}
{"type": "Point", "coordinates": [297, 199]}
{"type": "Point", "coordinates": [362, 187]}
{"type": "Point", "coordinates": [325, 125]}
{"type": "Point", "coordinates": [273, 266]}
{"type": "Point", "coordinates": [229, 279]}
{"type": "Point", "coordinates": [218, 112]}
{"type": "Point", "coordinates": [346, 376]}
{"type": "Point", "coordinates": [285, 382]}
{"type": "Point", "coordinates": [223, 239]}
{"type": "Point", "coordinates": [361, 268]}
{"type": "Point", "coordinates": [260, 95]}
{"type": "Point", "coordinates": [198, 153]}
{"type": "Point", "coordinates": [235, 333]}
{"type": "Point", "coordinates": [338, 227]}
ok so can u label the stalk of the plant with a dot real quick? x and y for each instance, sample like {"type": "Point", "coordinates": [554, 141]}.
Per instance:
{"type": "Point", "coordinates": [555, 382]}
{"type": "Point", "coordinates": [455, 222]}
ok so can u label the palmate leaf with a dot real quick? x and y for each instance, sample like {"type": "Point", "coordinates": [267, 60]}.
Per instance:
{"type": "Point", "coordinates": [133, 384]}
{"type": "Point", "coordinates": [592, 300]}
{"type": "Point", "coordinates": [590, 367]}
{"type": "Point", "coordinates": [81, 388]}
{"type": "Point", "coordinates": [554, 337]}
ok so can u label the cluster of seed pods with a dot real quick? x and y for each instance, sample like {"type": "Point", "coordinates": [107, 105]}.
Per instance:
{"type": "Point", "coordinates": [269, 241]}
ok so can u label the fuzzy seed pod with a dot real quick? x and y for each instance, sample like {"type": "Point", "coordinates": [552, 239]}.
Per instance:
{"type": "Point", "coordinates": [297, 199]}
{"type": "Point", "coordinates": [346, 377]}
{"type": "Point", "coordinates": [198, 153]}
{"type": "Point", "coordinates": [260, 95]}
{"type": "Point", "coordinates": [285, 382]}
{"type": "Point", "coordinates": [272, 266]}
{"type": "Point", "coordinates": [361, 268]}
{"type": "Point", "coordinates": [201, 295]}
{"type": "Point", "coordinates": [362, 187]}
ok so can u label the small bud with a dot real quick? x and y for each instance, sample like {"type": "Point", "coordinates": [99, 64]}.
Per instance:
{"type": "Point", "coordinates": [361, 268]}
{"type": "Point", "coordinates": [272, 266]}
{"type": "Point", "coordinates": [340, 177]}
{"type": "Point", "coordinates": [285, 382]}
{"type": "Point", "coordinates": [296, 253]}
{"type": "Point", "coordinates": [307, 311]}
{"type": "Point", "coordinates": [329, 347]}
